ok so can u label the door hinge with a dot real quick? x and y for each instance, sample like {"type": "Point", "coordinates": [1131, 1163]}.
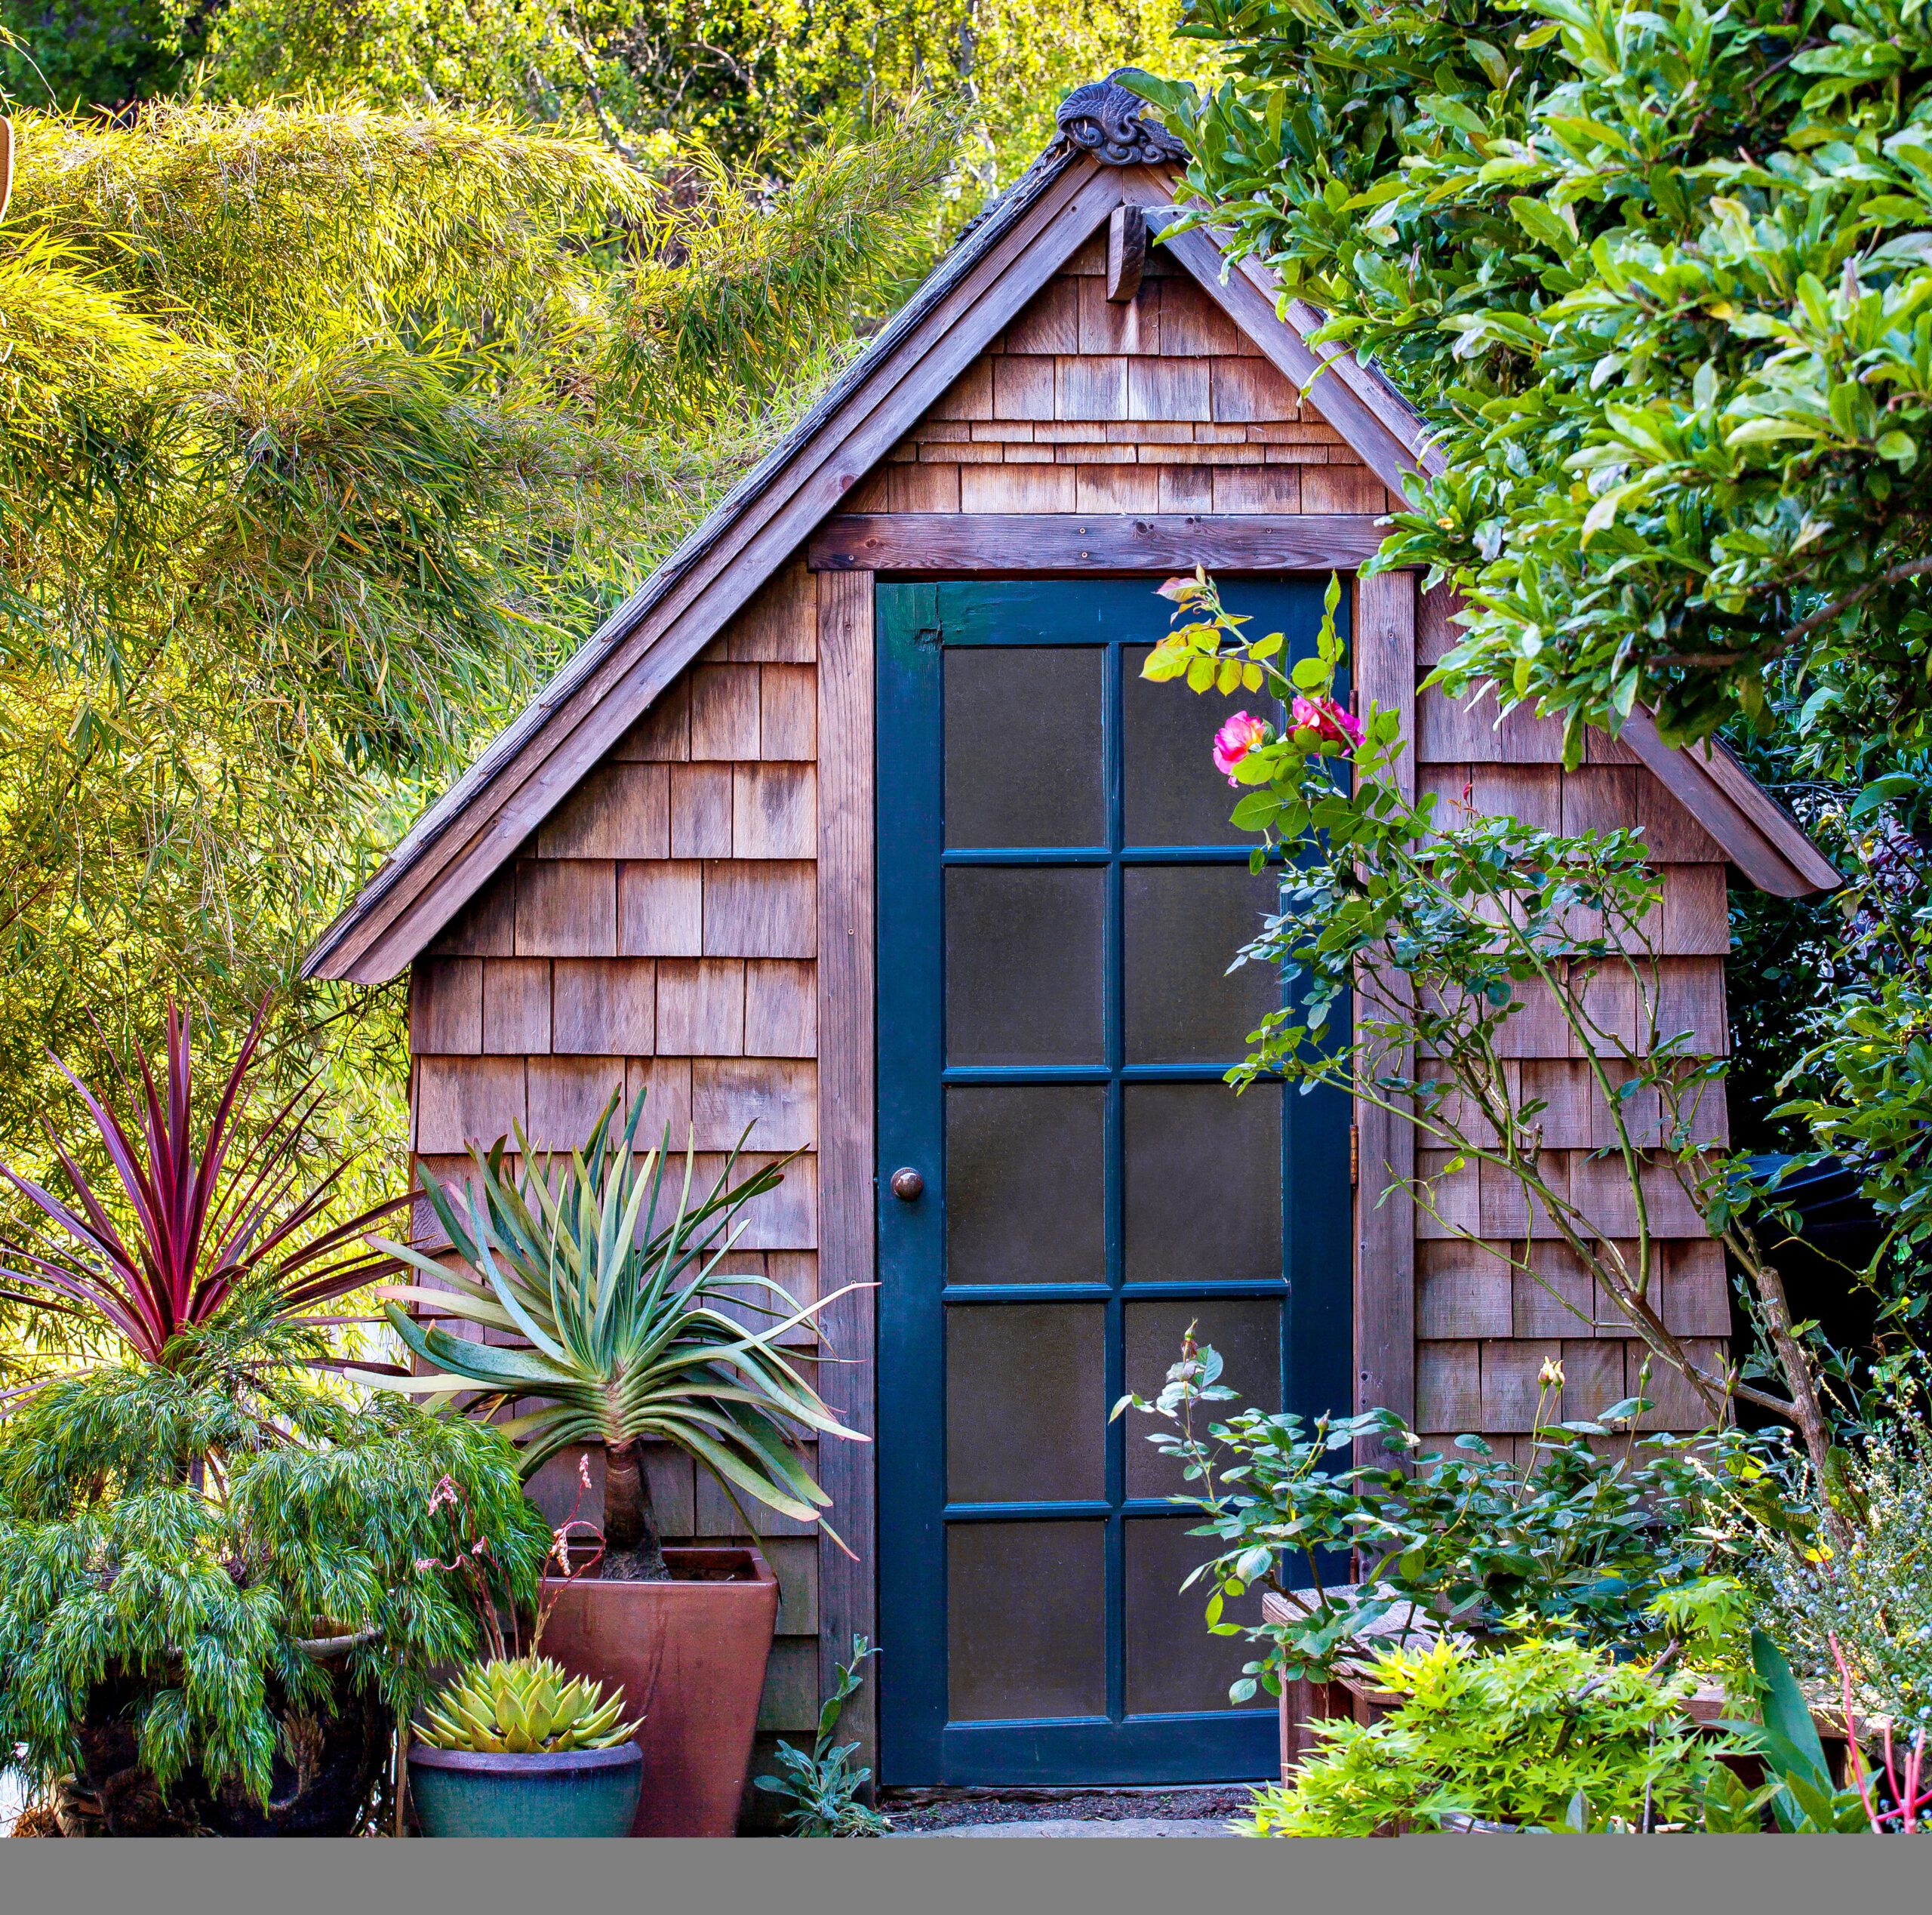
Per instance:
{"type": "Point", "coordinates": [1355, 1156]}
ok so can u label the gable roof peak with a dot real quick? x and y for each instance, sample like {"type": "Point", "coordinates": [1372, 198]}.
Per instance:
{"type": "Point", "coordinates": [1103, 118]}
{"type": "Point", "coordinates": [1105, 156]}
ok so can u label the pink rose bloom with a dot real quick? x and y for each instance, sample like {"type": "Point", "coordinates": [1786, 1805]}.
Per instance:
{"type": "Point", "coordinates": [1234, 740]}
{"type": "Point", "coordinates": [1326, 720]}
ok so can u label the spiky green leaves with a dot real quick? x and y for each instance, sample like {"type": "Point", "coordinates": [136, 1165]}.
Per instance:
{"type": "Point", "coordinates": [609, 1266]}
{"type": "Point", "coordinates": [525, 1707]}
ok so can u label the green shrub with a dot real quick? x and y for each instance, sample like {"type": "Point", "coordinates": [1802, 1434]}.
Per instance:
{"type": "Point", "coordinates": [201, 1592]}
{"type": "Point", "coordinates": [1623, 1544]}
{"type": "Point", "coordinates": [1548, 1733]}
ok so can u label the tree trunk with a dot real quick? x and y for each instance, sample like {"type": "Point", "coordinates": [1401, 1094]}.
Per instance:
{"type": "Point", "coordinates": [1801, 1381]}
{"type": "Point", "coordinates": [633, 1553]}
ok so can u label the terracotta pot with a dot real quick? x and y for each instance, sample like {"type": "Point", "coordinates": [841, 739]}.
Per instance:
{"type": "Point", "coordinates": [690, 1654]}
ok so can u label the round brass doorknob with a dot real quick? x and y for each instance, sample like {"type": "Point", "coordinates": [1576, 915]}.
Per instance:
{"type": "Point", "coordinates": [907, 1184]}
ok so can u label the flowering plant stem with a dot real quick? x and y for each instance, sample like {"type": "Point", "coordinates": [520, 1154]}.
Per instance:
{"type": "Point", "coordinates": [1437, 926]}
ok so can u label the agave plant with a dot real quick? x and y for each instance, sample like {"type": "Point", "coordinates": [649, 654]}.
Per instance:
{"type": "Point", "coordinates": [203, 1213]}
{"type": "Point", "coordinates": [523, 1707]}
{"type": "Point", "coordinates": [610, 1271]}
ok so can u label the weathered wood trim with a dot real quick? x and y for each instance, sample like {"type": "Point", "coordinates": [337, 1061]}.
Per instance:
{"type": "Point", "coordinates": [847, 1062]}
{"type": "Point", "coordinates": [395, 920]}
{"type": "Point", "coordinates": [1384, 659]}
{"type": "Point", "coordinates": [940, 542]}
{"type": "Point", "coordinates": [1758, 836]}
{"type": "Point", "coordinates": [1127, 253]}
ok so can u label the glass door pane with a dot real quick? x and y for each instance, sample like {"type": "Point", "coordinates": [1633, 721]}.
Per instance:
{"type": "Point", "coordinates": [1060, 896]}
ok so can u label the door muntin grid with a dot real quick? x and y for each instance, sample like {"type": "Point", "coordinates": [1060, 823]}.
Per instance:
{"type": "Point", "coordinates": [1026, 1352]}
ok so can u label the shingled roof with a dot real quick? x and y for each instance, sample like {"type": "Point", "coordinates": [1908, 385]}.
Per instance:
{"type": "Point", "coordinates": [1104, 155]}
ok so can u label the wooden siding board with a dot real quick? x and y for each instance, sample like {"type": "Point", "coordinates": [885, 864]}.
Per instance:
{"type": "Point", "coordinates": [516, 1006]}
{"type": "Point", "coordinates": [725, 711]}
{"type": "Point", "coordinates": [604, 1007]}
{"type": "Point", "coordinates": [701, 1007]}
{"type": "Point", "coordinates": [1462, 1291]}
{"type": "Point", "coordinates": [764, 910]}
{"type": "Point", "coordinates": [774, 812]}
{"type": "Point", "coordinates": [1003, 489]}
{"type": "Point", "coordinates": [775, 1100]}
{"type": "Point", "coordinates": [620, 810]}
{"type": "Point", "coordinates": [1132, 326]}
{"type": "Point", "coordinates": [786, 1219]}
{"type": "Point", "coordinates": [1193, 325]}
{"type": "Point", "coordinates": [701, 810]}
{"type": "Point", "coordinates": [464, 1100]}
{"type": "Point", "coordinates": [923, 488]}
{"type": "Point", "coordinates": [1116, 488]}
{"type": "Point", "coordinates": [1050, 322]}
{"type": "Point", "coordinates": [665, 1085]}
{"type": "Point", "coordinates": [1258, 488]}
{"type": "Point", "coordinates": [660, 909]}
{"type": "Point", "coordinates": [1251, 392]}
{"type": "Point", "coordinates": [566, 908]}
{"type": "Point", "coordinates": [1089, 388]}
{"type": "Point", "coordinates": [788, 713]}
{"type": "Point", "coordinates": [1022, 388]}
{"type": "Point", "coordinates": [1384, 663]}
{"type": "Point", "coordinates": [779, 624]}
{"type": "Point", "coordinates": [446, 1006]}
{"type": "Point", "coordinates": [663, 734]}
{"type": "Point", "coordinates": [486, 926]}
{"type": "Point", "coordinates": [845, 976]}
{"type": "Point", "coordinates": [567, 1096]}
{"type": "Point", "coordinates": [1556, 1296]}
{"type": "Point", "coordinates": [1510, 1387]}
{"type": "Point", "coordinates": [1448, 1388]}
{"type": "Point", "coordinates": [781, 1008]}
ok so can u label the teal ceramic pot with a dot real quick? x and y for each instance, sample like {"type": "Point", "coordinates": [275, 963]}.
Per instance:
{"type": "Point", "coordinates": [583, 1792]}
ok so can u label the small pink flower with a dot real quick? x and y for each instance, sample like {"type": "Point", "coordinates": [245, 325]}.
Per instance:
{"type": "Point", "coordinates": [1234, 740]}
{"type": "Point", "coordinates": [1326, 720]}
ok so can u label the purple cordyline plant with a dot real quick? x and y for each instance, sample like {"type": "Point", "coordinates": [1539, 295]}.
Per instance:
{"type": "Point", "coordinates": [205, 1212]}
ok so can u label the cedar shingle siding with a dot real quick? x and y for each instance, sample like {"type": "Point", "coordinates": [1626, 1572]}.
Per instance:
{"type": "Point", "coordinates": [694, 915]}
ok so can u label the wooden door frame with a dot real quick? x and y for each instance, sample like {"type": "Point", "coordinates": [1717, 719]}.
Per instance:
{"type": "Point", "coordinates": [1383, 618]}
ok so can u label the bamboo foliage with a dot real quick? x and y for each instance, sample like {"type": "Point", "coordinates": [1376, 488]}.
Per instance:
{"type": "Point", "coordinates": [326, 433]}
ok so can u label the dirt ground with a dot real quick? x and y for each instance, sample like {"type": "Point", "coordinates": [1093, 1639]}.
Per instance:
{"type": "Point", "coordinates": [912, 1810]}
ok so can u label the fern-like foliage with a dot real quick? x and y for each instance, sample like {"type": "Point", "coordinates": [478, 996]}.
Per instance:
{"type": "Point", "coordinates": [205, 1536]}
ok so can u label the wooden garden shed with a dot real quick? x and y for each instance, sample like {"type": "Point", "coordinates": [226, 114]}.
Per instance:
{"type": "Point", "coordinates": [856, 820]}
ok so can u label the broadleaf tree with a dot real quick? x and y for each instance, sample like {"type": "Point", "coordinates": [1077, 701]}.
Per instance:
{"type": "Point", "coordinates": [1658, 281]}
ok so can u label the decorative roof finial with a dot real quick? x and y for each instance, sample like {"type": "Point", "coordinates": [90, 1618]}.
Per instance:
{"type": "Point", "coordinates": [1103, 118]}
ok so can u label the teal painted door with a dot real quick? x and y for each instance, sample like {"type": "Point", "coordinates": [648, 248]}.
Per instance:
{"type": "Point", "coordinates": [1060, 897]}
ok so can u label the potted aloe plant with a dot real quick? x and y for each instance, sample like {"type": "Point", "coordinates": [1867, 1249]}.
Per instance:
{"type": "Point", "coordinates": [515, 1746]}
{"type": "Point", "coordinates": [219, 1587]}
{"type": "Point", "coordinates": [608, 1268]}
